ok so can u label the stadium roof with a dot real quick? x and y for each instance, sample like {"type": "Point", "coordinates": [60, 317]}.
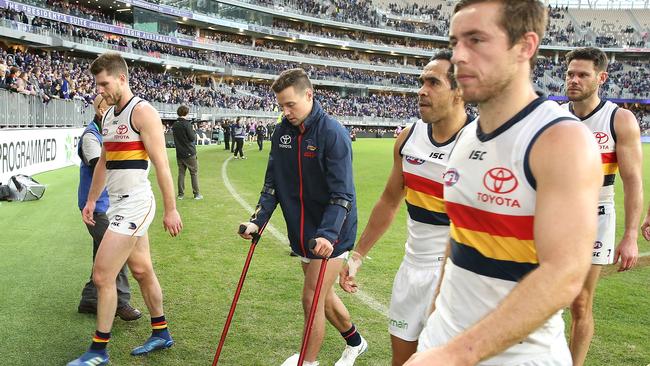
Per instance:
{"type": "Point", "coordinates": [602, 4]}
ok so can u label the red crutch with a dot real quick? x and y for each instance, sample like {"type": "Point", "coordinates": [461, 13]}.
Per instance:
{"type": "Point", "coordinates": [256, 238]}
{"type": "Point", "coordinates": [314, 304]}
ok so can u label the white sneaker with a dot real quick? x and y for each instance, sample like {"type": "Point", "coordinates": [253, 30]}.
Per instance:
{"type": "Point", "coordinates": [293, 361]}
{"type": "Point", "coordinates": [350, 354]}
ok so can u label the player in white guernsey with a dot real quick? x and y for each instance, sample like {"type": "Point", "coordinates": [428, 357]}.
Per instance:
{"type": "Point", "coordinates": [133, 136]}
{"type": "Point", "coordinates": [521, 197]}
{"type": "Point", "coordinates": [419, 161]}
{"type": "Point", "coordinates": [617, 133]}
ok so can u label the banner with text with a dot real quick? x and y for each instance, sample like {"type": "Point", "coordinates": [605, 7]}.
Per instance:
{"type": "Point", "coordinates": [35, 151]}
{"type": "Point", "coordinates": [81, 22]}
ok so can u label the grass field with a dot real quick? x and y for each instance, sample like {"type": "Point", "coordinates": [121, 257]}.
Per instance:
{"type": "Point", "coordinates": [45, 258]}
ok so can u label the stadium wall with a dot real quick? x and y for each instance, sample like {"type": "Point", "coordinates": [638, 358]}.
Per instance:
{"type": "Point", "coordinates": [33, 151]}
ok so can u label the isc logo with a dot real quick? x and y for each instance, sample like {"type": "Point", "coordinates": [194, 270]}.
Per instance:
{"type": "Point", "coordinates": [437, 155]}
{"type": "Point", "coordinates": [477, 155]}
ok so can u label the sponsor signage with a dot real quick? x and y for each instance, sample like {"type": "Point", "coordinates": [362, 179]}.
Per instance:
{"type": "Point", "coordinates": [33, 151]}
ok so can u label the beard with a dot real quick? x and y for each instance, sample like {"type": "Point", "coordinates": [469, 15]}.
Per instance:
{"type": "Point", "coordinates": [581, 96]}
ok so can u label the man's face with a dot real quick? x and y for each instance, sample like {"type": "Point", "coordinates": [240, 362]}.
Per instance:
{"type": "Point", "coordinates": [435, 96]}
{"type": "Point", "coordinates": [485, 62]}
{"type": "Point", "coordinates": [296, 105]}
{"type": "Point", "coordinates": [110, 87]}
{"type": "Point", "coordinates": [582, 80]}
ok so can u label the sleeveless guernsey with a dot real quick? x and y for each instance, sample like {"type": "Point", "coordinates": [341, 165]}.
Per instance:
{"type": "Point", "coordinates": [601, 122]}
{"type": "Point", "coordinates": [423, 164]}
{"type": "Point", "coordinates": [490, 198]}
{"type": "Point", "coordinates": [127, 161]}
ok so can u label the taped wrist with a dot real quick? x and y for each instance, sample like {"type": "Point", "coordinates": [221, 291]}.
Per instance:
{"type": "Point", "coordinates": [347, 205]}
{"type": "Point", "coordinates": [354, 255]}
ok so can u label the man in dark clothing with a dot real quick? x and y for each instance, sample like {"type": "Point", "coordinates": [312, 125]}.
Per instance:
{"type": "Point", "coordinates": [260, 131]}
{"type": "Point", "coordinates": [184, 140]}
{"type": "Point", "coordinates": [232, 136]}
{"type": "Point", "coordinates": [89, 150]}
{"type": "Point", "coordinates": [226, 135]}
{"type": "Point", "coordinates": [309, 173]}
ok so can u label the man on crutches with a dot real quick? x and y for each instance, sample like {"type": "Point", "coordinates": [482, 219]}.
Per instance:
{"type": "Point", "coordinates": [309, 174]}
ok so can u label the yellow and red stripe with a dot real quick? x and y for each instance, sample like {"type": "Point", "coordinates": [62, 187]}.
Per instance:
{"type": "Point", "coordinates": [424, 200]}
{"type": "Point", "coordinates": [492, 244]}
{"type": "Point", "coordinates": [610, 163]}
{"type": "Point", "coordinates": [98, 339]}
{"type": "Point", "coordinates": [126, 155]}
{"type": "Point", "coordinates": [424, 185]}
{"type": "Point", "coordinates": [159, 325]}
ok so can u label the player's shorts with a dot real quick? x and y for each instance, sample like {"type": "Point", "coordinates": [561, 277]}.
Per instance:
{"type": "Point", "coordinates": [411, 298]}
{"type": "Point", "coordinates": [305, 260]}
{"type": "Point", "coordinates": [557, 354]}
{"type": "Point", "coordinates": [131, 214]}
{"type": "Point", "coordinates": [603, 253]}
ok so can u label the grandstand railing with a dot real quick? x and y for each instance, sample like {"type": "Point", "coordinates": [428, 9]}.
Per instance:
{"type": "Point", "coordinates": [27, 111]}
{"type": "Point", "coordinates": [22, 111]}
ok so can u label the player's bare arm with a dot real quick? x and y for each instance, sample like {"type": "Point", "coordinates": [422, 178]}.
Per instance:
{"type": "Point", "coordinates": [629, 155]}
{"type": "Point", "coordinates": [381, 217]}
{"type": "Point", "coordinates": [568, 182]}
{"type": "Point", "coordinates": [146, 120]}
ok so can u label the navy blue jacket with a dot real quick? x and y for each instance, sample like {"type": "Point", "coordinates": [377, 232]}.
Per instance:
{"type": "Point", "coordinates": [309, 174]}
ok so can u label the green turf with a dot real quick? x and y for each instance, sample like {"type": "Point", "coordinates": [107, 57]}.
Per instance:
{"type": "Point", "coordinates": [45, 258]}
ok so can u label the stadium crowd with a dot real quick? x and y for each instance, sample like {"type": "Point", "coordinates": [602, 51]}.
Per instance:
{"type": "Point", "coordinates": [433, 19]}
{"type": "Point", "coordinates": [54, 76]}
{"type": "Point", "coordinates": [51, 75]}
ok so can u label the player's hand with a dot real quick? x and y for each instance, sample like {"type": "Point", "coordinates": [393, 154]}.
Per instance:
{"type": "Point", "coordinates": [628, 252]}
{"type": "Point", "coordinates": [172, 222]}
{"type": "Point", "coordinates": [87, 214]}
{"type": "Point", "coordinates": [323, 248]}
{"type": "Point", "coordinates": [645, 228]}
{"type": "Point", "coordinates": [250, 229]}
{"type": "Point", "coordinates": [349, 272]}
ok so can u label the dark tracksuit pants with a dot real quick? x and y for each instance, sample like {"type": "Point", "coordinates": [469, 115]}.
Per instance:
{"type": "Point", "coordinates": [239, 146]}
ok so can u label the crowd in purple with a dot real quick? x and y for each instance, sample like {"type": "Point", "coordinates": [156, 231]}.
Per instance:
{"type": "Point", "coordinates": [51, 75]}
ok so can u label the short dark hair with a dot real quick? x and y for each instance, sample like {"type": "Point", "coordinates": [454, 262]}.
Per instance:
{"type": "Point", "coordinates": [297, 78]}
{"type": "Point", "coordinates": [446, 55]}
{"type": "Point", "coordinates": [112, 62]}
{"type": "Point", "coordinates": [590, 54]}
{"type": "Point", "coordinates": [518, 17]}
{"type": "Point", "coordinates": [182, 111]}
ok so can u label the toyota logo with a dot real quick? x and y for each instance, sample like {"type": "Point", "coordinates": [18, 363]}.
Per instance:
{"type": "Point", "coordinates": [285, 140]}
{"type": "Point", "coordinates": [500, 180]}
{"type": "Point", "coordinates": [122, 129]}
{"type": "Point", "coordinates": [601, 137]}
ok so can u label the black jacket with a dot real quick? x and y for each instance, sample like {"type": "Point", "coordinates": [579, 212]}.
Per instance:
{"type": "Point", "coordinates": [184, 138]}
{"type": "Point", "coordinates": [309, 174]}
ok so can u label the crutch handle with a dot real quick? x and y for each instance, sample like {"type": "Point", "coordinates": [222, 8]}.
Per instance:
{"type": "Point", "coordinates": [242, 229]}
{"type": "Point", "coordinates": [311, 244]}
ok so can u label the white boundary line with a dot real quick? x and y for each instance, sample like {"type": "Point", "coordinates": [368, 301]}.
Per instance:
{"type": "Point", "coordinates": [282, 240]}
